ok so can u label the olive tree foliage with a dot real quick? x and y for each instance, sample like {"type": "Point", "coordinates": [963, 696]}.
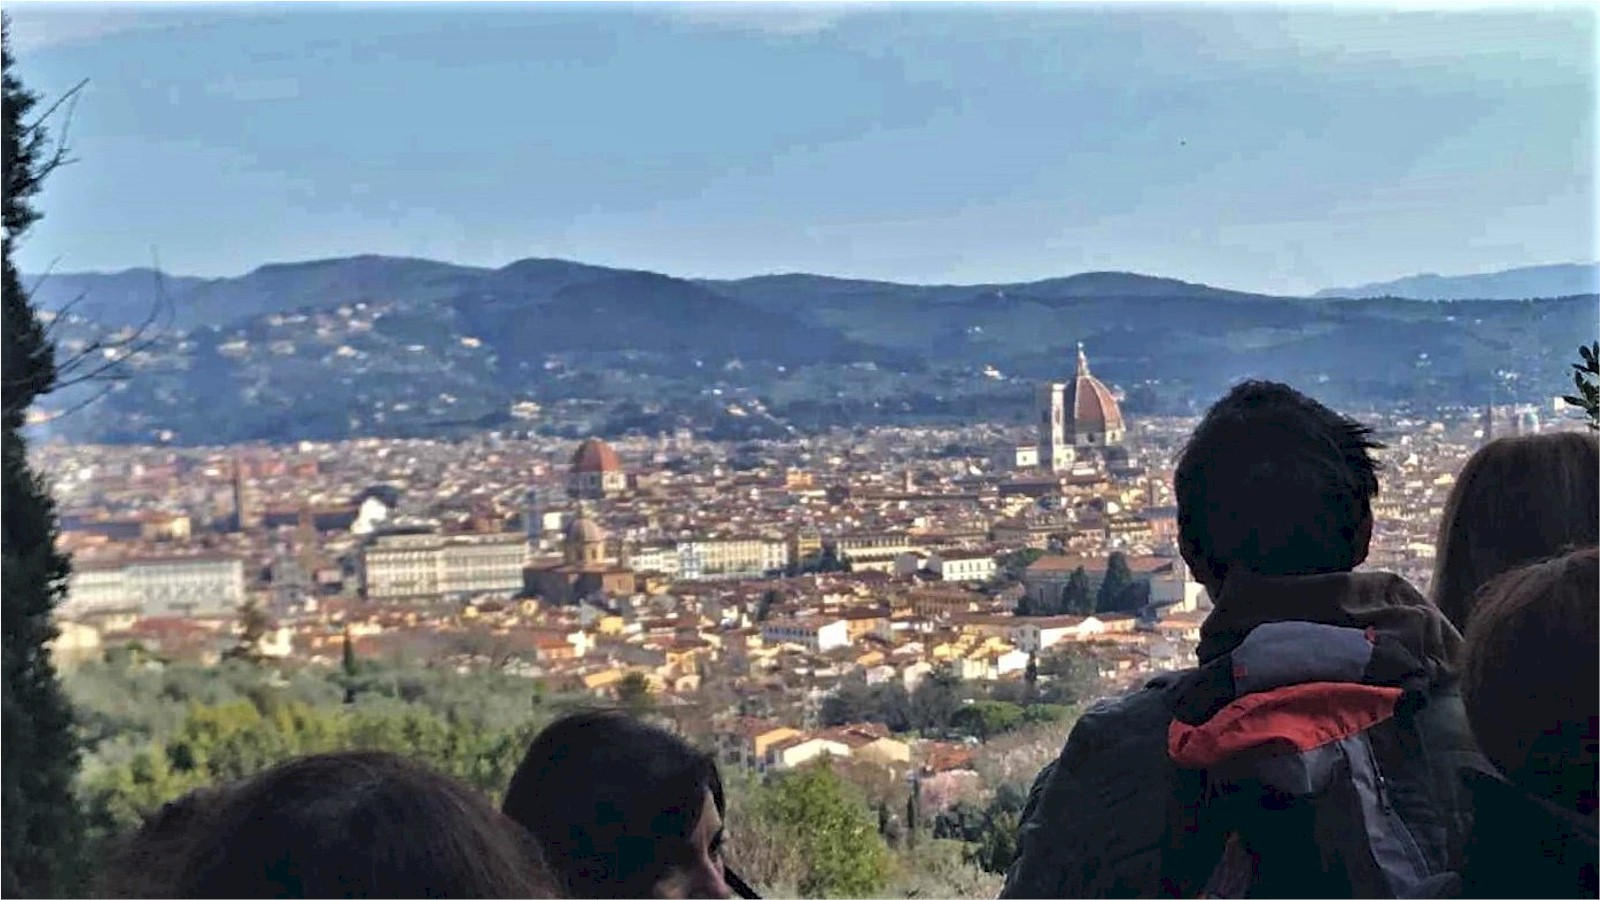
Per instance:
{"type": "Point", "coordinates": [1586, 383]}
{"type": "Point", "coordinates": [152, 730]}
{"type": "Point", "coordinates": [809, 832]}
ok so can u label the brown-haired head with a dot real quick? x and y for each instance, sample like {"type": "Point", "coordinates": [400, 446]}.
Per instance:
{"type": "Point", "coordinates": [1517, 500]}
{"type": "Point", "coordinates": [1531, 676]}
{"type": "Point", "coordinates": [146, 862]}
{"type": "Point", "coordinates": [359, 824]}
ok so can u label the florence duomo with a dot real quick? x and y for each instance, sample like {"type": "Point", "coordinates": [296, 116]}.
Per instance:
{"type": "Point", "coordinates": [1078, 421]}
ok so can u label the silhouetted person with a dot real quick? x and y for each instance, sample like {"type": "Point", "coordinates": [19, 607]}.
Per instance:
{"type": "Point", "coordinates": [1316, 751]}
{"type": "Point", "coordinates": [1532, 682]}
{"type": "Point", "coordinates": [351, 825]}
{"type": "Point", "coordinates": [1516, 501]}
{"type": "Point", "coordinates": [624, 809]}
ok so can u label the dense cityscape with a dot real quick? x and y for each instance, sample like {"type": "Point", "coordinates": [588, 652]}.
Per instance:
{"type": "Point", "coordinates": [769, 573]}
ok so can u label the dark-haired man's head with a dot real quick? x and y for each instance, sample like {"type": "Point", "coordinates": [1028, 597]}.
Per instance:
{"type": "Point", "coordinates": [1531, 677]}
{"type": "Point", "coordinates": [1273, 482]}
{"type": "Point", "coordinates": [622, 808]}
{"type": "Point", "coordinates": [360, 824]}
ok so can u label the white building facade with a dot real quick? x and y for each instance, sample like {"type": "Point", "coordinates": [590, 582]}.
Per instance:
{"type": "Point", "coordinates": [186, 586]}
{"type": "Point", "coordinates": [433, 566]}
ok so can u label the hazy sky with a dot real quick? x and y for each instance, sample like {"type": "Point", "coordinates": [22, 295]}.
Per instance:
{"type": "Point", "coordinates": [1275, 149]}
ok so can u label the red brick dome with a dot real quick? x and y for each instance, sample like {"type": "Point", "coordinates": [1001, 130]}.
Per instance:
{"type": "Point", "coordinates": [595, 455]}
{"type": "Point", "coordinates": [1091, 407]}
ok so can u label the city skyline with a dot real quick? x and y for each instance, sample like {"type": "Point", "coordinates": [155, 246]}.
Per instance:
{"type": "Point", "coordinates": [952, 145]}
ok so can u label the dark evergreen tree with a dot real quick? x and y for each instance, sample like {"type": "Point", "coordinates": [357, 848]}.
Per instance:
{"type": "Point", "coordinates": [1076, 598]}
{"type": "Point", "coordinates": [1063, 602]}
{"type": "Point", "coordinates": [40, 821]}
{"type": "Point", "coordinates": [1134, 598]}
{"type": "Point", "coordinates": [1112, 590]}
{"type": "Point", "coordinates": [349, 668]}
{"type": "Point", "coordinates": [349, 659]}
{"type": "Point", "coordinates": [764, 606]}
{"type": "Point", "coordinates": [914, 811]}
{"type": "Point", "coordinates": [936, 698]}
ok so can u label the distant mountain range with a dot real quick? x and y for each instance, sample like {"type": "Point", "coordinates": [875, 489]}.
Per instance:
{"type": "Point", "coordinates": [382, 345]}
{"type": "Point", "coordinates": [1563, 280]}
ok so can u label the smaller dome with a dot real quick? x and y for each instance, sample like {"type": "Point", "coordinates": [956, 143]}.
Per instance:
{"type": "Point", "coordinates": [583, 530]}
{"type": "Point", "coordinates": [595, 455]}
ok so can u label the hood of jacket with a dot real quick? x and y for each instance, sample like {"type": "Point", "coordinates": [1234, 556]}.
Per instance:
{"type": "Point", "coordinates": [1380, 601]}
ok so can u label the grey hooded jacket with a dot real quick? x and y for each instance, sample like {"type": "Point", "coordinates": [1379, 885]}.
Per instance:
{"type": "Point", "coordinates": [1101, 821]}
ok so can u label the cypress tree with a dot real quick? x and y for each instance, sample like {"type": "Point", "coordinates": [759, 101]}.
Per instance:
{"type": "Point", "coordinates": [41, 828]}
{"type": "Point", "coordinates": [913, 811]}
{"type": "Point", "coordinates": [1114, 589]}
{"type": "Point", "coordinates": [1076, 599]}
{"type": "Point", "coordinates": [349, 660]}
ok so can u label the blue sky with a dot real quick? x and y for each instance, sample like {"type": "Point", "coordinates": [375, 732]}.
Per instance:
{"type": "Point", "coordinates": [1279, 149]}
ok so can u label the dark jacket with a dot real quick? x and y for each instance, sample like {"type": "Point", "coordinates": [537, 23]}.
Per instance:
{"type": "Point", "coordinates": [1103, 820]}
{"type": "Point", "coordinates": [1521, 845]}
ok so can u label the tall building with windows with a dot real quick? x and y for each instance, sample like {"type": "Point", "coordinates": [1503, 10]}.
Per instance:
{"type": "Point", "coordinates": [1050, 404]}
{"type": "Point", "coordinates": [199, 585]}
{"type": "Point", "coordinates": [246, 508]}
{"type": "Point", "coordinates": [434, 566]}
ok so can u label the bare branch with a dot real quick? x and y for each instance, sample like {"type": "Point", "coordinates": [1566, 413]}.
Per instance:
{"type": "Point", "coordinates": [110, 384]}
{"type": "Point", "coordinates": [58, 155]}
{"type": "Point", "coordinates": [70, 95]}
{"type": "Point", "coordinates": [144, 337]}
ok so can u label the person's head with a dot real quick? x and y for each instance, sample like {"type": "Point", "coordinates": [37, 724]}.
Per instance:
{"type": "Point", "coordinates": [358, 825]}
{"type": "Point", "coordinates": [622, 808]}
{"type": "Point", "coordinates": [1273, 482]}
{"type": "Point", "coordinates": [1531, 677]}
{"type": "Point", "coordinates": [144, 863]}
{"type": "Point", "coordinates": [1518, 499]}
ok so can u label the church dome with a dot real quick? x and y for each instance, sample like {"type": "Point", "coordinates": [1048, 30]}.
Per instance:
{"type": "Point", "coordinates": [583, 530]}
{"type": "Point", "coordinates": [1090, 406]}
{"type": "Point", "coordinates": [595, 456]}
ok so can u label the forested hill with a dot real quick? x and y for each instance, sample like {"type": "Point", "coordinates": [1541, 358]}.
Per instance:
{"type": "Point", "coordinates": [382, 345]}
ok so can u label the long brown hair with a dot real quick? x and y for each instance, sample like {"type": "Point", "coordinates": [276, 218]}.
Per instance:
{"type": "Point", "coordinates": [1531, 676]}
{"type": "Point", "coordinates": [361, 824]}
{"type": "Point", "coordinates": [1517, 500]}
